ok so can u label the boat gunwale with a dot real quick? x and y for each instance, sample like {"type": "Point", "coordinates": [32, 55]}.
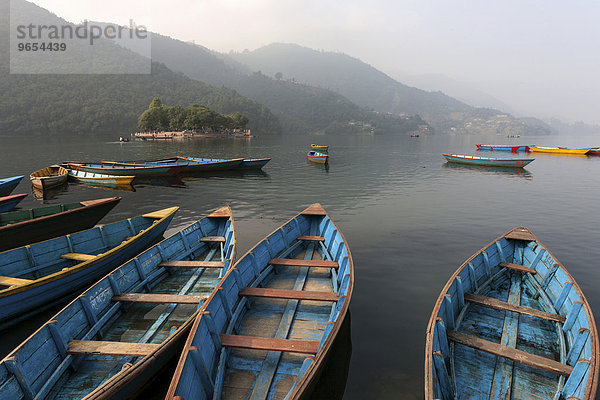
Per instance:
{"type": "Point", "coordinates": [469, 157]}
{"type": "Point", "coordinates": [591, 386]}
{"type": "Point", "coordinates": [12, 290]}
{"type": "Point", "coordinates": [321, 355]}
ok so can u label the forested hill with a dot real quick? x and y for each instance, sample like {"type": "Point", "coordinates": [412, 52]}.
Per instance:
{"type": "Point", "coordinates": [102, 104]}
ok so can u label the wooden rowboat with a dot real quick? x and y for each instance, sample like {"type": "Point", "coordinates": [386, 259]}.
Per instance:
{"type": "Point", "coordinates": [91, 178]}
{"type": "Point", "coordinates": [558, 150]}
{"type": "Point", "coordinates": [128, 170]}
{"type": "Point", "coordinates": [19, 228]}
{"type": "Point", "coordinates": [119, 333]}
{"type": "Point", "coordinates": [285, 300]}
{"type": "Point", "coordinates": [320, 148]}
{"type": "Point", "coordinates": [48, 177]}
{"type": "Point", "coordinates": [512, 323]}
{"type": "Point", "coordinates": [317, 157]}
{"type": "Point", "coordinates": [187, 165]}
{"type": "Point", "coordinates": [254, 163]}
{"type": "Point", "coordinates": [7, 185]}
{"type": "Point", "coordinates": [487, 161]}
{"type": "Point", "coordinates": [35, 277]}
{"type": "Point", "coordinates": [502, 147]}
{"type": "Point", "coordinates": [7, 203]}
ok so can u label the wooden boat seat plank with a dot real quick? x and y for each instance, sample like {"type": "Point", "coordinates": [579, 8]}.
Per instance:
{"type": "Point", "coordinates": [10, 281]}
{"type": "Point", "coordinates": [213, 239]}
{"type": "Point", "coordinates": [110, 348]}
{"type": "Point", "coordinates": [312, 238]}
{"type": "Point", "coordinates": [270, 344]}
{"type": "Point", "coordinates": [519, 356]}
{"type": "Point", "coordinates": [304, 263]}
{"type": "Point", "coordinates": [78, 256]}
{"type": "Point", "coordinates": [289, 294]}
{"type": "Point", "coordinates": [517, 267]}
{"type": "Point", "coordinates": [501, 305]}
{"type": "Point", "coordinates": [160, 298]}
{"type": "Point", "coordinates": [517, 234]}
{"type": "Point", "coordinates": [192, 264]}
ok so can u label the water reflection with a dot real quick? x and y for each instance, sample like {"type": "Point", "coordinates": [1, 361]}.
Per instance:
{"type": "Point", "coordinates": [50, 193]}
{"type": "Point", "coordinates": [507, 171]}
{"type": "Point", "coordinates": [169, 181]}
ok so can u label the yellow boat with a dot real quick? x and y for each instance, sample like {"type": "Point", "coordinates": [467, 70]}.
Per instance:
{"type": "Point", "coordinates": [557, 150]}
{"type": "Point", "coordinates": [320, 148]}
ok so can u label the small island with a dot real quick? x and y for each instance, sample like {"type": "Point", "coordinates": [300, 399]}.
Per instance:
{"type": "Point", "coordinates": [165, 122]}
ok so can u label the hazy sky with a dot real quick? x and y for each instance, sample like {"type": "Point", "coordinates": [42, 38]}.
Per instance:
{"type": "Point", "coordinates": [541, 57]}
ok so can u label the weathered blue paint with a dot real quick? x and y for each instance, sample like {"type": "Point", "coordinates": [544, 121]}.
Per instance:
{"type": "Point", "coordinates": [503, 147]}
{"type": "Point", "coordinates": [47, 370]}
{"type": "Point", "coordinates": [7, 203]}
{"type": "Point", "coordinates": [317, 157]}
{"type": "Point", "coordinates": [7, 185]}
{"type": "Point", "coordinates": [44, 277]}
{"type": "Point", "coordinates": [135, 170]}
{"type": "Point", "coordinates": [478, 374]}
{"type": "Point", "coordinates": [487, 161]}
{"type": "Point", "coordinates": [245, 374]}
{"type": "Point", "coordinates": [187, 164]}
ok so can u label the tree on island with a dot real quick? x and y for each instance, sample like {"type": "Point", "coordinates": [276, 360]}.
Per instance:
{"type": "Point", "coordinates": [197, 118]}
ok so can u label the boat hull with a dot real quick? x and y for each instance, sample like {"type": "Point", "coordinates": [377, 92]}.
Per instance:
{"type": "Point", "coordinates": [23, 232]}
{"type": "Point", "coordinates": [318, 158]}
{"type": "Point", "coordinates": [254, 163]}
{"type": "Point", "coordinates": [515, 300]}
{"type": "Point", "coordinates": [123, 170]}
{"type": "Point", "coordinates": [111, 181]}
{"type": "Point", "coordinates": [502, 147]}
{"type": "Point", "coordinates": [188, 165]}
{"type": "Point", "coordinates": [319, 148]}
{"type": "Point", "coordinates": [558, 150]}
{"type": "Point", "coordinates": [7, 185]}
{"type": "Point", "coordinates": [487, 162]}
{"type": "Point", "coordinates": [49, 177]}
{"type": "Point", "coordinates": [7, 203]}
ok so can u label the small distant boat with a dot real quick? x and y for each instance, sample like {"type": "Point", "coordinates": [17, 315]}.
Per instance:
{"type": "Point", "coordinates": [37, 276]}
{"type": "Point", "coordinates": [7, 203]}
{"type": "Point", "coordinates": [128, 170]}
{"type": "Point", "coordinates": [558, 150]}
{"type": "Point", "coordinates": [414, 135]}
{"type": "Point", "coordinates": [92, 178]}
{"type": "Point", "coordinates": [502, 147]}
{"type": "Point", "coordinates": [117, 335]}
{"type": "Point", "coordinates": [122, 139]}
{"type": "Point", "coordinates": [19, 228]}
{"type": "Point", "coordinates": [487, 161]}
{"type": "Point", "coordinates": [7, 185]}
{"type": "Point", "coordinates": [317, 157]}
{"type": "Point", "coordinates": [511, 323]}
{"type": "Point", "coordinates": [270, 323]}
{"type": "Point", "coordinates": [48, 177]}
{"type": "Point", "coordinates": [320, 148]}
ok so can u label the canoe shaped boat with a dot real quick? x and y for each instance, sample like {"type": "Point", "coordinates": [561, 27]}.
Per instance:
{"type": "Point", "coordinates": [128, 170]}
{"type": "Point", "coordinates": [318, 147]}
{"type": "Point", "coordinates": [19, 228]}
{"type": "Point", "coordinates": [120, 332]}
{"type": "Point", "coordinates": [511, 323]}
{"type": "Point", "coordinates": [35, 277]}
{"type": "Point", "coordinates": [267, 328]}
{"type": "Point", "coordinates": [487, 161]}
{"type": "Point", "coordinates": [91, 178]}
{"type": "Point", "coordinates": [7, 203]}
{"type": "Point", "coordinates": [316, 157]}
{"type": "Point", "coordinates": [502, 147]}
{"type": "Point", "coordinates": [7, 185]}
{"type": "Point", "coordinates": [247, 163]}
{"type": "Point", "coordinates": [48, 177]}
{"type": "Point", "coordinates": [188, 165]}
{"type": "Point", "coordinates": [558, 150]}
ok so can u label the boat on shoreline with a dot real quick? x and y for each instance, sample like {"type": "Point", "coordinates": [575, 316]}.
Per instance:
{"type": "Point", "coordinates": [511, 322]}
{"type": "Point", "coordinates": [7, 185]}
{"type": "Point", "coordinates": [94, 179]}
{"type": "Point", "coordinates": [558, 150]}
{"type": "Point", "coordinates": [49, 177]}
{"type": "Point", "coordinates": [37, 276]}
{"type": "Point", "coordinates": [503, 147]}
{"type": "Point", "coordinates": [269, 325]}
{"type": "Point", "coordinates": [487, 161]}
{"type": "Point", "coordinates": [136, 318]}
{"type": "Point", "coordinates": [23, 227]}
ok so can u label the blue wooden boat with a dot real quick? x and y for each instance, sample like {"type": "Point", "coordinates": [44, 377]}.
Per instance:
{"type": "Point", "coordinates": [118, 334]}
{"type": "Point", "coordinates": [7, 203]}
{"type": "Point", "coordinates": [7, 185]}
{"type": "Point", "coordinates": [503, 147]}
{"type": "Point", "coordinates": [270, 323]}
{"type": "Point", "coordinates": [511, 323]}
{"type": "Point", "coordinates": [19, 228]}
{"type": "Point", "coordinates": [35, 277]}
{"type": "Point", "coordinates": [187, 165]}
{"type": "Point", "coordinates": [111, 181]}
{"type": "Point", "coordinates": [487, 161]}
{"type": "Point", "coordinates": [316, 157]}
{"type": "Point", "coordinates": [247, 163]}
{"type": "Point", "coordinates": [128, 170]}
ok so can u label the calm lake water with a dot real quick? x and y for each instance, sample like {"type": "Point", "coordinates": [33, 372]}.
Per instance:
{"type": "Point", "coordinates": [410, 220]}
